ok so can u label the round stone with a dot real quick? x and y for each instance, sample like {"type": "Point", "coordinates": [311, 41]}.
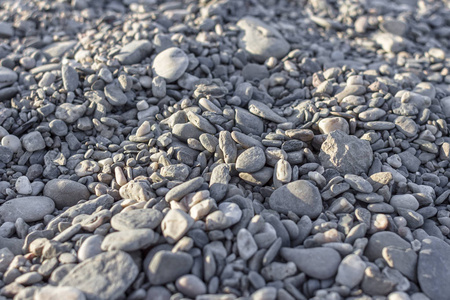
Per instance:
{"type": "Point", "coordinates": [170, 64]}
{"type": "Point", "coordinates": [12, 142]}
{"type": "Point", "coordinates": [328, 125]}
{"type": "Point", "coordinates": [66, 193]}
{"type": "Point", "coordinates": [300, 197]}
{"type": "Point", "coordinates": [190, 286]}
{"type": "Point", "coordinates": [30, 209]}
{"type": "Point", "coordinates": [251, 160]}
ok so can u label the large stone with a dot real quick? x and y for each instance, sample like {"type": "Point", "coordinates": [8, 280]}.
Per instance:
{"type": "Point", "coordinates": [300, 197]}
{"type": "Point", "coordinates": [170, 64]}
{"type": "Point", "coordinates": [128, 240]}
{"type": "Point", "coordinates": [346, 153]}
{"type": "Point", "coordinates": [260, 40]}
{"type": "Point", "coordinates": [380, 240]}
{"type": "Point", "coordinates": [7, 77]}
{"type": "Point", "coordinates": [103, 277]}
{"type": "Point", "coordinates": [134, 52]}
{"type": "Point", "coordinates": [166, 266]}
{"type": "Point", "coordinates": [58, 49]}
{"type": "Point", "coordinates": [320, 263]}
{"type": "Point", "coordinates": [248, 122]}
{"type": "Point", "coordinates": [30, 209]}
{"type": "Point", "coordinates": [65, 193]}
{"type": "Point", "coordinates": [251, 160]}
{"type": "Point", "coordinates": [433, 268]}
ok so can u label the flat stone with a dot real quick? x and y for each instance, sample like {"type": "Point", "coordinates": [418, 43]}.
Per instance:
{"type": "Point", "coordinates": [137, 218]}
{"type": "Point", "coordinates": [7, 77]}
{"type": "Point", "coordinates": [319, 263]}
{"type": "Point", "coordinates": [346, 153]}
{"type": "Point", "coordinates": [262, 110]}
{"type": "Point", "coordinates": [402, 260]}
{"type": "Point", "coordinates": [407, 201]}
{"type": "Point", "coordinates": [59, 49]}
{"type": "Point", "coordinates": [65, 193]}
{"type": "Point", "coordinates": [128, 240]}
{"type": "Point", "coordinates": [181, 190]}
{"type": "Point", "coordinates": [115, 95]}
{"type": "Point", "coordinates": [134, 52]}
{"type": "Point", "coordinates": [258, 178]}
{"type": "Point", "coordinates": [30, 209]}
{"type": "Point", "coordinates": [380, 240]}
{"type": "Point", "coordinates": [406, 125]}
{"type": "Point", "coordinates": [251, 160]}
{"type": "Point", "coordinates": [433, 267]}
{"type": "Point", "coordinates": [300, 197]}
{"type": "Point", "coordinates": [358, 183]}
{"type": "Point", "coordinates": [260, 40]}
{"type": "Point", "coordinates": [50, 292]}
{"type": "Point", "coordinates": [166, 266]}
{"type": "Point", "coordinates": [247, 122]}
{"type": "Point", "coordinates": [170, 64]}
{"type": "Point", "coordinates": [6, 30]}
{"type": "Point", "coordinates": [104, 276]}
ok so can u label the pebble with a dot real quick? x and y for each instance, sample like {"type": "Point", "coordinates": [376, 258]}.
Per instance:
{"type": "Point", "coordinates": [170, 64]}
{"type": "Point", "coordinates": [380, 240]}
{"type": "Point", "coordinates": [347, 154]}
{"type": "Point", "coordinates": [190, 285]}
{"type": "Point", "coordinates": [30, 209]}
{"type": "Point", "coordinates": [134, 52]}
{"type": "Point", "coordinates": [115, 96]}
{"type": "Point", "coordinates": [331, 124]}
{"type": "Point", "coordinates": [55, 292]}
{"type": "Point", "coordinates": [65, 193]}
{"type": "Point", "coordinates": [7, 77]}
{"type": "Point", "coordinates": [128, 240]}
{"type": "Point", "coordinates": [104, 276]}
{"type": "Point", "coordinates": [300, 197]}
{"type": "Point", "coordinates": [251, 160]}
{"type": "Point", "coordinates": [351, 271]}
{"type": "Point", "coordinates": [137, 219]}
{"type": "Point", "coordinates": [23, 185]}
{"type": "Point", "coordinates": [165, 266]}
{"type": "Point", "coordinates": [90, 247]}
{"type": "Point", "coordinates": [246, 244]}
{"type": "Point", "coordinates": [33, 142]}
{"type": "Point", "coordinates": [183, 189]}
{"type": "Point", "coordinates": [70, 78]}
{"type": "Point", "coordinates": [175, 225]}
{"type": "Point", "coordinates": [319, 263]}
{"type": "Point", "coordinates": [260, 40]}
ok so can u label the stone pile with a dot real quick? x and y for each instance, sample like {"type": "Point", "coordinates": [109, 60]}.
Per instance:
{"type": "Point", "coordinates": [224, 150]}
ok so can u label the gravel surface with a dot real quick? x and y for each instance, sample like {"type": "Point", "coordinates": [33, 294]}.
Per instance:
{"type": "Point", "coordinates": [224, 149]}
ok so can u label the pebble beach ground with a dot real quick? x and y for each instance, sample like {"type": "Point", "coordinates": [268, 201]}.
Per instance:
{"type": "Point", "coordinates": [224, 149]}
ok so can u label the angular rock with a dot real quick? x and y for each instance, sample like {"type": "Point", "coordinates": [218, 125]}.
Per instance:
{"type": "Point", "coordinates": [346, 153]}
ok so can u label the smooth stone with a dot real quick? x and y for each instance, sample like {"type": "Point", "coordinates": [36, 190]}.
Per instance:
{"type": "Point", "coordinates": [247, 122]}
{"type": "Point", "coordinates": [30, 209]}
{"type": "Point", "coordinates": [181, 190]}
{"type": "Point", "coordinates": [7, 77]}
{"type": "Point", "coordinates": [319, 263]}
{"type": "Point", "coordinates": [190, 286]}
{"type": "Point", "coordinates": [380, 240]}
{"type": "Point", "coordinates": [260, 40]}
{"type": "Point", "coordinates": [50, 292]}
{"type": "Point", "coordinates": [258, 178]}
{"type": "Point", "coordinates": [175, 225]}
{"type": "Point", "coordinates": [70, 78]}
{"type": "Point", "coordinates": [134, 52]}
{"type": "Point", "coordinates": [265, 293]}
{"type": "Point", "coordinates": [23, 185]}
{"type": "Point", "coordinates": [33, 141]}
{"type": "Point", "coordinates": [104, 276]}
{"type": "Point", "coordinates": [6, 257]}
{"type": "Point", "coordinates": [300, 197]}
{"type": "Point", "coordinates": [65, 193]}
{"type": "Point", "coordinates": [128, 240]}
{"type": "Point", "coordinates": [328, 125]}
{"type": "Point", "coordinates": [433, 268]}
{"type": "Point", "coordinates": [115, 95]}
{"type": "Point", "coordinates": [58, 127]}
{"type": "Point", "coordinates": [59, 49]}
{"type": "Point", "coordinates": [351, 271]}
{"type": "Point", "coordinates": [11, 142]}
{"type": "Point", "coordinates": [166, 266]}
{"type": "Point", "coordinates": [186, 131]}
{"type": "Point", "coordinates": [136, 219]}
{"type": "Point", "coordinates": [6, 154]}
{"type": "Point", "coordinates": [405, 261]}
{"type": "Point", "coordinates": [262, 110]}
{"type": "Point", "coordinates": [6, 30]}
{"type": "Point", "coordinates": [170, 64]}
{"type": "Point", "coordinates": [345, 153]}
{"type": "Point", "coordinates": [158, 293]}
{"type": "Point", "coordinates": [255, 72]}
{"type": "Point", "coordinates": [90, 247]}
{"type": "Point", "coordinates": [407, 201]}
{"type": "Point", "coordinates": [251, 160]}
